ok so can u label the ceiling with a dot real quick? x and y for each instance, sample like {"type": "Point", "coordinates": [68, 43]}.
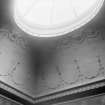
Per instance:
{"type": "Point", "coordinates": [47, 50]}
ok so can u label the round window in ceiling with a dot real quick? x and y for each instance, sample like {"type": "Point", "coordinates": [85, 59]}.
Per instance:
{"type": "Point", "coordinates": [48, 18]}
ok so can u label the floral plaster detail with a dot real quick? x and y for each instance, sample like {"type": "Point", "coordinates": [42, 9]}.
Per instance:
{"type": "Point", "coordinates": [77, 61]}
{"type": "Point", "coordinates": [14, 61]}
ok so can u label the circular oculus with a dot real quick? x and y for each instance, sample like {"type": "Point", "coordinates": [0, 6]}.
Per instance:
{"type": "Point", "coordinates": [50, 18]}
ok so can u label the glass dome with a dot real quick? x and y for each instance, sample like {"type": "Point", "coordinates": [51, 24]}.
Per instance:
{"type": "Point", "coordinates": [49, 18]}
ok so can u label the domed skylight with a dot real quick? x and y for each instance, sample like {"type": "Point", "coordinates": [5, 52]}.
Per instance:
{"type": "Point", "coordinates": [48, 18]}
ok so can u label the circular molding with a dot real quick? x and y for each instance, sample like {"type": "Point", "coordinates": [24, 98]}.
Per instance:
{"type": "Point", "coordinates": [51, 29]}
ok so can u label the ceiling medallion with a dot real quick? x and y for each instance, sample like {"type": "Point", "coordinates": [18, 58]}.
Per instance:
{"type": "Point", "coordinates": [50, 18]}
